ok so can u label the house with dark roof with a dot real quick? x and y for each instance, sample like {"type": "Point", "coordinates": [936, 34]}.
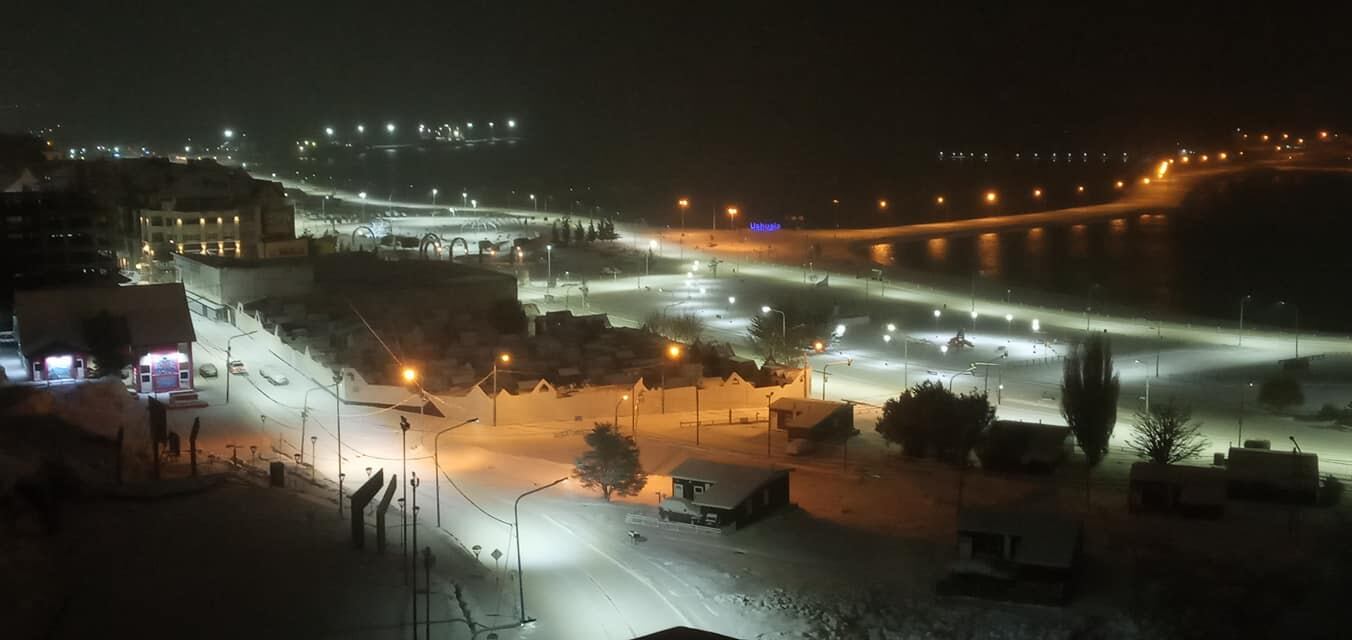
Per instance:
{"type": "Point", "coordinates": [729, 494]}
{"type": "Point", "coordinates": [57, 331]}
{"type": "Point", "coordinates": [813, 419]}
{"type": "Point", "coordinates": [1015, 555]}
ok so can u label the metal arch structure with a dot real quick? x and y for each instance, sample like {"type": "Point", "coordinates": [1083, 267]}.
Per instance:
{"type": "Point", "coordinates": [369, 233]}
{"type": "Point", "coordinates": [429, 239]}
{"type": "Point", "coordinates": [463, 243]}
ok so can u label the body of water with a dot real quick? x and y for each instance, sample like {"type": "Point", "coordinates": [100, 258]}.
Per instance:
{"type": "Point", "coordinates": [1279, 237]}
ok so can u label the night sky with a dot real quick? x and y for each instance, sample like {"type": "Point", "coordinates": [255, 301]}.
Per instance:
{"type": "Point", "coordinates": [774, 87]}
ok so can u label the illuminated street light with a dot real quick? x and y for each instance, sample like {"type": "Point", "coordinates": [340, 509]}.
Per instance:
{"type": "Point", "coordinates": [228, 133]}
{"type": "Point", "coordinates": [328, 131]}
{"type": "Point", "coordinates": [891, 327]}
{"type": "Point", "coordinates": [840, 331]}
{"type": "Point", "coordinates": [1204, 158]}
{"type": "Point", "coordinates": [887, 337]}
{"type": "Point", "coordinates": [943, 348]}
{"type": "Point", "coordinates": [1162, 169]}
{"type": "Point", "coordinates": [389, 127]}
{"type": "Point", "coordinates": [991, 197]}
{"type": "Point", "coordinates": [1037, 326]}
{"type": "Point", "coordinates": [1145, 180]}
{"type": "Point", "coordinates": [1222, 156]}
{"type": "Point", "coordinates": [1037, 193]}
{"type": "Point", "coordinates": [409, 375]}
{"type": "Point", "coordinates": [939, 200]}
{"type": "Point", "coordinates": [1118, 184]}
{"type": "Point", "coordinates": [361, 128]}
{"type": "Point", "coordinates": [511, 124]}
{"type": "Point", "coordinates": [882, 204]}
{"type": "Point", "coordinates": [1079, 189]}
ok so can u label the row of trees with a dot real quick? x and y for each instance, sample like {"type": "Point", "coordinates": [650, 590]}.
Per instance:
{"type": "Point", "coordinates": [928, 420]}
{"type": "Point", "coordinates": [567, 233]}
{"type": "Point", "coordinates": [685, 327]}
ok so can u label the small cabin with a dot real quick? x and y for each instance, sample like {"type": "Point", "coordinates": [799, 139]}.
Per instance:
{"type": "Point", "coordinates": [1281, 476]}
{"type": "Point", "coordinates": [1018, 556]}
{"type": "Point", "coordinates": [813, 419]}
{"type": "Point", "coordinates": [730, 494]}
{"type": "Point", "coordinates": [1177, 489]}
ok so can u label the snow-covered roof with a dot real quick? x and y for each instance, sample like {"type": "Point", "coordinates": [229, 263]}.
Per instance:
{"type": "Point", "coordinates": [1044, 539]}
{"type": "Point", "coordinates": [805, 412]}
{"type": "Point", "coordinates": [156, 314]}
{"type": "Point", "coordinates": [732, 483]}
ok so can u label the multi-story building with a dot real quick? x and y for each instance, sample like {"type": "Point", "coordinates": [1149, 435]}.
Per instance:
{"type": "Point", "coordinates": [55, 238]}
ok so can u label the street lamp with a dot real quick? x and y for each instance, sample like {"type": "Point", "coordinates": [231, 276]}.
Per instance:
{"type": "Point", "coordinates": [623, 399]}
{"type": "Point", "coordinates": [403, 435]}
{"type": "Point", "coordinates": [1009, 325]}
{"type": "Point", "coordinates": [228, 133]}
{"type": "Point", "coordinates": [409, 375]}
{"type": "Point", "coordinates": [436, 461]}
{"type": "Point", "coordinates": [549, 265]}
{"type": "Point", "coordinates": [434, 196]}
{"type": "Point", "coordinates": [970, 369]}
{"type": "Point", "coordinates": [783, 320]}
{"type": "Point", "coordinates": [516, 522]}
{"type": "Point", "coordinates": [991, 197]}
{"type": "Point", "coordinates": [504, 358]}
{"type": "Point", "coordinates": [338, 422]}
{"type": "Point", "coordinates": [683, 204]}
{"type": "Point", "coordinates": [1036, 325]}
{"type": "Point", "coordinates": [362, 196]}
{"type": "Point", "coordinates": [389, 127]}
{"type": "Point", "coordinates": [328, 131]}
{"type": "Point", "coordinates": [304, 414]}
{"type": "Point", "coordinates": [937, 313]}
{"type": "Point", "coordinates": [535, 204]}
{"type": "Point", "coordinates": [361, 128]}
{"type": "Point", "coordinates": [674, 354]}
{"type": "Point", "coordinates": [1242, 302]}
{"type": "Point", "coordinates": [227, 361]}
{"type": "Point", "coordinates": [1295, 309]}
{"type": "Point", "coordinates": [732, 216]}
{"type": "Point", "coordinates": [848, 362]}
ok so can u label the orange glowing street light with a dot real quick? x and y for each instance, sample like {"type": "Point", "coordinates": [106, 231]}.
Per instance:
{"type": "Point", "coordinates": [1079, 189]}
{"type": "Point", "coordinates": [1204, 158]}
{"type": "Point", "coordinates": [1037, 193]}
{"type": "Point", "coordinates": [1145, 180]}
{"type": "Point", "coordinates": [409, 375]}
{"type": "Point", "coordinates": [505, 358]}
{"type": "Point", "coordinates": [1323, 135]}
{"type": "Point", "coordinates": [1118, 184]}
{"type": "Point", "coordinates": [1162, 169]}
{"type": "Point", "coordinates": [818, 346]}
{"type": "Point", "coordinates": [1222, 156]}
{"type": "Point", "coordinates": [1186, 159]}
{"type": "Point", "coordinates": [939, 200]}
{"type": "Point", "coordinates": [882, 204]}
{"type": "Point", "coordinates": [1265, 137]}
{"type": "Point", "coordinates": [732, 212]}
{"type": "Point", "coordinates": [674, 351]}
{"type": "Point", "coordinates": [991, 197]}
{"type": "Point", "coordinates": [683, 203]}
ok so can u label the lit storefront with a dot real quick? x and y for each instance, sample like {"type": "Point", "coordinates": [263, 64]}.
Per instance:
{"type": "Point", "coordinates": [55, 327]}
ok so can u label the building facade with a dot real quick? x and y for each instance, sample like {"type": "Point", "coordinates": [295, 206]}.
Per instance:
{"type": "Point", "coordinates": [60, 331]}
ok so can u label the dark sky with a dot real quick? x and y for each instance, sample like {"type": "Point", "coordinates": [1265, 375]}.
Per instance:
{"type": "Point", "coordinates": [735, 83]}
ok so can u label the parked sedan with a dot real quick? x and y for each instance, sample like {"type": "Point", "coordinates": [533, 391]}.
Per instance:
{"type": "Point", "coordinates": [237, 368]}
{"type": "Point", "coordinates": [678, 510]}
{"type": "Point", "coordinates": [207, 370]}
{"type": "Point", "coordinates": [274, 377]}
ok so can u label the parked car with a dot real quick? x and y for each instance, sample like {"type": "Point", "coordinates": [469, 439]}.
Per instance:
{"type": "Point", "coordinates": [207, 370]}
{"type": "Point", "coordinates": [610, 271]}
{"type": "Point", "coordinates": [274, 377]}
{"type": "Point", "coordinates": [237, 368]}
{"type": "Point", "coordinates": [678, 510]}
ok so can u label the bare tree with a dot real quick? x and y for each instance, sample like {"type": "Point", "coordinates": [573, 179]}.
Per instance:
{"type": "Point", "coordinates": [1167, 434]}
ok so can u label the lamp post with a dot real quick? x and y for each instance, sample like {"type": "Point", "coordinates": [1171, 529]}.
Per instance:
{"type": "Point", "coordinates": [504, 358]}
{"type": "Point", "coordinates": [549, 266]}
{"type": "Point", "coordinates": [436, 462]}
{"type": "Point", "coordinates": [338, 421]}
{"type": "Point", "coordinates": [1009, 325]}
{"type": "Point", "coordinates": [683, 204]}
{"type": "Point", "coordinates": [1242, 302]}
{"type": "Point", "coordinates": [732, 217]}
{"type": "Point", "coordinates": [434, 196]}
{"type": "Point", "coordinates": [769, 398]}
{"type": "Point", "coordinates": [362, 196]}
{"type": "Point", "coordinates": [413, 559]}
{"type": "Point", "coordinates": [1243, 391]}
{"type": "Point", "coordinates": [937, 314]}
{"type": "Point", "coordinates": [673, 353]}
{"type": "Point", "coordinates": [826, 376]}
{"type": "Point", "coordinates": [304, 414]}
{"type": "Point", "coordinates": [783, 320]}
{"type": "Point", "coordinates": [967, 370]}
{"type": "Point", "coordinates": [1295, 309]}
{"type": "Point", "coordinates": [623, 398]}
{"type": "Point", "coordinates": [227, 361]}
{"type": "Point", "coordinates": [403, 529]}
{"type": "Point", "coordinates": [516, 522]}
